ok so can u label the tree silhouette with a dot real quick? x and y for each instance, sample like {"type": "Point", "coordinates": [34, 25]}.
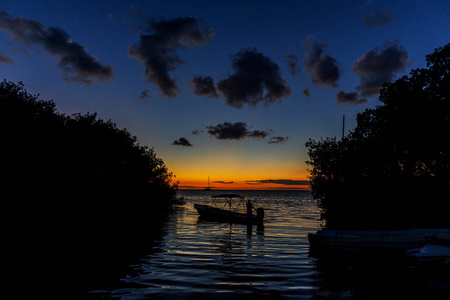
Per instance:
{"type": "Point", "coordinates": [75, 189]}
{"type": "Point", "coordinates": [393, 169]}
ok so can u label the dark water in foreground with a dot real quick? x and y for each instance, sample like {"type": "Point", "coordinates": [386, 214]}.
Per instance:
{"type": "Point", "coordinates": [198, 259]}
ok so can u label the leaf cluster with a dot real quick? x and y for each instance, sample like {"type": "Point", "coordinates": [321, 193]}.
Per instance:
{"type": "Point", "coordinates": [393, 169]}
{"type": "Point", "coordinates": [75, 188]}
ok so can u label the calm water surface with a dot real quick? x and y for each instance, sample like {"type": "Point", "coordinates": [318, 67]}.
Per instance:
{"type": "Point", "coordinates": [200, 259]}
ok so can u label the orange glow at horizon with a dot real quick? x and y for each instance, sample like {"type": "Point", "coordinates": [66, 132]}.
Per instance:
{"type": "Point", "coordinates": [227, 172]}
{"type": "Point", "coordinates": [193, 184]}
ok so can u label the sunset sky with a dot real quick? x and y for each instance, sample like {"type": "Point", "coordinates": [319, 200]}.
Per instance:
{"type": "Point", "coordinates": [227, 89]}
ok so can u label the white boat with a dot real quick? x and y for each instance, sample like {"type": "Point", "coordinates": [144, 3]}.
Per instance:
{"type": "Point", "coordinates": [376, 240]}
{"type": "Point", "coordinates": [430, 253]}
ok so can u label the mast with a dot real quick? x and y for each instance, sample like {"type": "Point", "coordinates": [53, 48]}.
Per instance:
{"type": "Point", "coordinates": [209, 187]}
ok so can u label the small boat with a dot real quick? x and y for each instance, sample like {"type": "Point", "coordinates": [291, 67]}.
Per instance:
{"type": "Point", "coordinates": [376, 240]}
{"type": "Point", "coordinates": [231, 215]}
{"type": "Point", "coordinates": [430, 253]}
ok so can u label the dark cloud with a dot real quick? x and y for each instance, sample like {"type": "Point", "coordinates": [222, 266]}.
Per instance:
{"type": "Point", "coordinates": [224, 182]}
{"type": "Point", "coordinates": [76, 63]}
{"type": "Point", "coordinates": [277, 140]}
{"type": "Point", "coordinates": [378, 19]}
{"type": "Point", "coordinates": [6, 59]}
{"type": "Point", "coordinates": [253, 183]}
{"type": "Point", "coordinates": [144, 94]}
{"type": "Point", "coordinates": [197, 131]}
{"type": "Point", "coordinates": [379, 66]}
{"type": "Point", "coordinates": [256, 79]}
{"type": "Point", "coordinates": [322, 68]}
{"type": "Point", "coordinates": [158, 45]}
{"type": "Point", "coordinates": [349, 98]}
{"type": "Point", "coordinates": [21, 51]}
{"type": "Point", "coordinates": [259, 134]}
{"type": "Point", "coordinates": [307, 92]}
{"type": "Point", "coordinates": [292, 61]}
{"type": "Point", "coordinates": [182, 142]}
{"type": "Point", "coordinates": [204, 86]}
{"type": "Point", "coordinates": [234, 131]}
{"type": "Point", "coordinates": [279, 181]}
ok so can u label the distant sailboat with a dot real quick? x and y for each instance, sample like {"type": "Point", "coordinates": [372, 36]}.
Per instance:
{"type": "Point", "coordinates": [209, 187]}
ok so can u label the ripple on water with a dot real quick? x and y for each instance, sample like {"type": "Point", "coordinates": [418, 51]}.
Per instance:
{"type": "Point", "coordinates": [207, 259]}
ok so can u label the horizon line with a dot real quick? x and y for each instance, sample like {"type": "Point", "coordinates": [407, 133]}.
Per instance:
{"type": "Point", "coordinates": [243, 189]}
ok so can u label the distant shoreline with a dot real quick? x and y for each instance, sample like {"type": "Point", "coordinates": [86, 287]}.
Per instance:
{"type": "Point", "coordinates": [270, 189]}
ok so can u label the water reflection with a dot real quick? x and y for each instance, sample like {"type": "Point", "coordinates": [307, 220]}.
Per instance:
{"type": "Point", "coordinates": [371, 275]}
{"type": "Point", "coordinates": [193, 258]}
{"type": "Point", "coordinates": [233, 241]}
{"type": "Point", "coordinates": [204, 259]}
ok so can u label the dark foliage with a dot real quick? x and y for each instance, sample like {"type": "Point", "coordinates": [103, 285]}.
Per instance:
{"type": "Point", "coordinates": [393, 170]}
{"type": "Point", "coordinates": [77, 191]}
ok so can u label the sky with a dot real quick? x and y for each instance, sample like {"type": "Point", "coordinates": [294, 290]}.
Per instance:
{"type": "Point", "coordinates": [230, 90]}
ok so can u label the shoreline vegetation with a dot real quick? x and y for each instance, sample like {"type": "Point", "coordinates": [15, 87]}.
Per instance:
{"type": "Point", "coordinates": [80, 196]}
{"type": "Point", "coordinates": [393, 170]}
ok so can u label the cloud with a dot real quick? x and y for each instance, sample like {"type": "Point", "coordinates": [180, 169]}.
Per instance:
{"type": "Point", "coordinates": [21, 51]}
{"type": "Point", "coordinates": [259, 134]}
{"type": "Point", "coordinates": [197, 131]}
{"type": "Point", "coordinates": [234, 131]}
{"type": "Point", "coordinates": [182, 142]}
{"type": "Point", "coordinates": [6, 59]}
{"type": "Point", "coordinates": [277, 140]}
{"type": "Point", "coordinates": [144, 94]}
{"type": "Point", "coordinates": [323, 69]}
{"type": "Point", "coordinates": [158, 45]}
{"type": "Point", "coordinates": [279, 181]}
{"type": "Point", "coordinates": [77, 65]}
{"type": "Point", "coordinates": [204, 86]}
{"type": "Point", "coordinates": [253, 183]}
{"type": "Point", "coordinates": [378, 19]}
{"type": "Point", "coordinates": [224, 182]}
{"type": "Point", "coordinates": [256, 79]}
{"type": "Point", "coordinates": [349, 98]}
{"type": "Point", "coordinates": [307, 92]}
{"type": "Point", "coordinates": [379, 66]}
{"type": "Point", "coordinates": [292, 61]}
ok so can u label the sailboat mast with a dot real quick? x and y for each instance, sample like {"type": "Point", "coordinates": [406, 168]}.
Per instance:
{"type": "Point", "coordinates": [208, 188]}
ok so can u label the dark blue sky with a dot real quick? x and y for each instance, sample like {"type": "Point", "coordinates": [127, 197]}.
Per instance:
{"type": "Point", "coordinates": [230, 89]}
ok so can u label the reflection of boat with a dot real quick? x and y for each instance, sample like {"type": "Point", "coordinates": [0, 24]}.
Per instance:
{"type": "Point", "coordinates": [431, 253]}
{"type": "Point", "coordinates": [231, 214]}
{"type": "Point", "coordinates": [376, 240]}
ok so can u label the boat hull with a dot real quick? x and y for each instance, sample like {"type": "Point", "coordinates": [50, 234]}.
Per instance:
{"type": "Point", "coordinates": [376, 240]}
{"type": "Point", "coordinates": [216, 214]}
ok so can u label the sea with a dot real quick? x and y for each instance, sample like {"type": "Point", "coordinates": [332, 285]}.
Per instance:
{"type": "Point", "coordinates": [197, 259]}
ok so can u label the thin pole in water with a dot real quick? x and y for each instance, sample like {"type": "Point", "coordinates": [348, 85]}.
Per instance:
{"type": "Point", "coordinates": [339, 185]}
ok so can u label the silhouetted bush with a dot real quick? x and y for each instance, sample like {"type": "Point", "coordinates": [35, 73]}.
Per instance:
{"type": "Point", "coordinates": [76, 189]}
{"type": "Point", "coordinates": [393, 170]}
